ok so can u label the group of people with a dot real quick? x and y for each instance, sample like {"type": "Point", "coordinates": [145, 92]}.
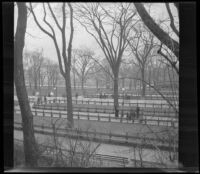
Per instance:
{"type": "Point", "coordinates": [40, 100]}
{"type": "Point", "coordinates": [102, 95]}
{"type": "Point", "coordinates": [133, 114]}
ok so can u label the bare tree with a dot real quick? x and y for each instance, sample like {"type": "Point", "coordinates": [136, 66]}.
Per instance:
{"type": "Point", "coordinates": [105, 73]}
{"type": "Point", "coordinates": [52, 73]}
{"type": "Point", "coordinates": [97, 74]}
{"type": "Point", "coordinates": [64, 58]}
{"type": "Point", "coordinates": [141, 46]}
{"type": "Point", "coordinates": [83, 65]}
{"type": "Point", "coordinates": [74, 58]}
{"type": "Point", "coordinates": [30, 147]}
{"type": "Point", "coordinates": [35, 62]}
{"type": "Point", "coordinates": [124, 71]}
{"type": "Point", "coordinates": [110, 28]}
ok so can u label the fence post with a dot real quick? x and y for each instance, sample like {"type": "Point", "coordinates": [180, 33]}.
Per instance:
{"type": "Point", "coordinates": [109, 117]}
{"type": "Point", "coordinates": [78, 115]}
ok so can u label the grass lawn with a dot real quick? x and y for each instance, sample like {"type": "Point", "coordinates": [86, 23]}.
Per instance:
{"type": "Point", "coordinates": [104, 127]}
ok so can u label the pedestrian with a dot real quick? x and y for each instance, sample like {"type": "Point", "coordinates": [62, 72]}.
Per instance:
{"type": "Point", "coordinates": [116, 112]}
{"type": "Point", "coordinates": [132, 115]}
{"type": "Point", "coordinates": [54, 100]}
{"type": "Point", "coordinates": [76, 95]}
{"type": "Point", "coordinates": [100, 96]}
{"type": "Point", "coordinates": [137, 112]}
{"type": "Point", "coordinates": [122, 113]}
{"type": "Point", "coordinates": [38, 100]}
{"type": "Point", "coordinates": [45, 99]}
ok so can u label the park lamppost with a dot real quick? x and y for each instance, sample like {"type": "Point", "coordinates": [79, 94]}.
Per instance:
{"type": "Point", "coordinates": [55, 89]}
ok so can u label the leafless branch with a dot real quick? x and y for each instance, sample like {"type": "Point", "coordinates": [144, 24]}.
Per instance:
{"type": "Point", "coordinates": [171, 19]}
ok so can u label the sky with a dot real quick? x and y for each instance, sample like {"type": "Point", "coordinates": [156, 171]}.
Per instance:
{"type": "Point", "coordinates": [36, 39]}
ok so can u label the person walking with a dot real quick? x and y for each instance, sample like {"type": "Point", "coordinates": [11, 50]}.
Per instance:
{"type": "Point", "coordinates": [45, 99]}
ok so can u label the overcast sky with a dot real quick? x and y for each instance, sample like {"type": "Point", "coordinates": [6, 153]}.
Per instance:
{"type": "Point", "coordinates": [36, 39]}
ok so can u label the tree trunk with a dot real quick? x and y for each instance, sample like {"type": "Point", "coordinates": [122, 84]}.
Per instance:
{"type": "Point", "coordinates": [149, 79]}
{"type": "Point", "coordinates": [123, 82]}
{"type": "Point", "coordinates": [116, 104]}
{"type": "Point", "coordinates": [35, 83]}
{"type": "Point", "coordinates": [143, 83]}
{"type": "Point", "coordinates": [69, 99]}
{"type": "Point", "coordinates": [164, 78]}
{"type": "Point", "coordinates": [30, 147]}
{"type": "Point", "coordinates": [48, 83]}
{"type": "Point", "coordinates": [82, 86]}
{"type": "Point", "coordinates": [39, 81]}
{"type": "Point", "coordinates": [97, 84]}
{"type": "Point", "coordinates": [74, 78]}
{"type": "Point", "coordinates": [29, 84]}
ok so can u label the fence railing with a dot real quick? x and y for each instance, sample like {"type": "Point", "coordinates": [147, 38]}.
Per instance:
{"type": "Point", "coordinates": [142, 119]}
{"type": "Point", "coordinates": [107, 103]}
{"type": "Point", "coordinates": [110, 138]}
{"type": "Point", "coordinates": [109, 110]}
{"type": "Point", "coordinates": [132, 96]}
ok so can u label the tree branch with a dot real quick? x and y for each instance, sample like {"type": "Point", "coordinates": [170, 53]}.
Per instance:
{"type": "Point", "coordinates": [54, 17]}
{"type": "Point", "coordinates": [171, 19]}
{"type": "Point", "coordinates": [156, 30]}
{"type": "Point", "coordinates": [173, 64]}
{"type": "Point", "coordinates": [38, 24]}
